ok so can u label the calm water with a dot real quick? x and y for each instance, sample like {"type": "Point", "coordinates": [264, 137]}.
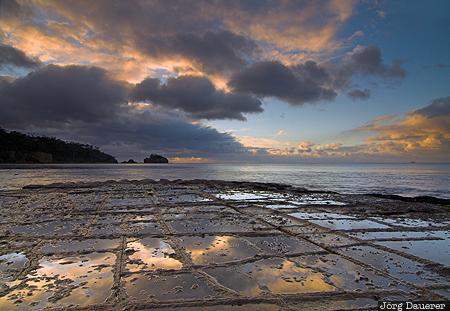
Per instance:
{"type": "Point", "coordinates": [403, 179]}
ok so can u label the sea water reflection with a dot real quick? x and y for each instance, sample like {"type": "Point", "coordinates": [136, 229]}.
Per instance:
{"type": "Point", "coordinates": [405, 179]}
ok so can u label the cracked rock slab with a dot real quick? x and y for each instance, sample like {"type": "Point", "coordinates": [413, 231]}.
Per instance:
{"type": "Point", "coordinates": [216, 245]}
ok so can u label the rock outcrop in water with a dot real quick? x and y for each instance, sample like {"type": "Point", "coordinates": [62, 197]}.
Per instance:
{"type": "Point", "coordinates": [156, 158]}
{"type": "Point", "coordinates": [130, 161]}
{"type": "Point", "coordinates": [16, 147]}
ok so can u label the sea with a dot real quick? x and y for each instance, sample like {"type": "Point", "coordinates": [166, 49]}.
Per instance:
{"type": "Point", "coordinates": [407, 179]}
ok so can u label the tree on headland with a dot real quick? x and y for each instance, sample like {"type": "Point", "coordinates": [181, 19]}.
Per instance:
{"type": "Point", "coordinates": [17, 147]}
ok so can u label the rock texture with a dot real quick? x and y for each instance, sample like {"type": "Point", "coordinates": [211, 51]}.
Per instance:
{"type": "Point", "coordinates": [215, 245]}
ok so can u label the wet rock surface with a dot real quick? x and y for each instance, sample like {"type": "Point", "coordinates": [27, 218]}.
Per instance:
{"type": "Point", "coordinates": [215, 245]}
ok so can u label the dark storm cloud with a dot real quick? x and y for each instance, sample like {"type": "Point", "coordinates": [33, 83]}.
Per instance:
{"type": "Point", "coordinates": [359, 94]}
{"type": "Point", "coordinates": [310, 82]}
{"type": "Point", "coordinates": [61, 94]}
{"type": "Point", "coordinates": [197, 96]}
{"type": "Point", "coordinates": [5, 81]}
{"type": "Point", "coordinates": [84, 104]}
{"type": "Point", "coordinates": [9, 8]}
{"type": "Point", "coordinates": [438, 107]}
{"type": "Point", "coordinates": [10, 56]}
{"type": "Point", "coordinates": [215, 52]}
{"type": "Point", "coordinates": [368, 60]}
{"type": "Point", "coordinates": [297, 85]}
{"type": "Point", "coordinates": [138, 134]}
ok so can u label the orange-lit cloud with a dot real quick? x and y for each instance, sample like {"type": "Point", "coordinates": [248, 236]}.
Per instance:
{"type": "Point", "coordinates": [423, 135]}
{"type": "Point", "coordinates": [126, 38]}
{"type": "Point", "coordinates": [292, 25]}
{"type": "Point", "coordinates": [422, 132]}
{"type": "Point", "coordinates": [190, 160]}
{"type": "Point", "coordinates": [280, 133]}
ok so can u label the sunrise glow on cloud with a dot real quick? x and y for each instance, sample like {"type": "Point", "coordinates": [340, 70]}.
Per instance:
{"type": "Point", "coordinates": [205, 81]}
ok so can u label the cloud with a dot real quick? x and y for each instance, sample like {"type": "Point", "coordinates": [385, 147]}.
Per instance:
{"type": "Point", "coordinates": [197, 96]}
{"type": "Point", "coordinates": [368, 60]}
{"type": "Point", "coordinates": [309, 26]}
{"type": "Point", "coordinates": [9, 9]}
{"type": "Point", "coordinates": [298, 85]}
{"type": "Point", "coordinates": [359, 94]}
{"type": "Point", "coordinates": [85, 104]}
{"type": "Point", "coordinates": [310, 82]}
{"type": "Point", "coordinates": [438, 107]}
{"type": "Point", "coordinates": [280, 133]}
{"type": "Point", "coordinates": [304, 147]}
{"type": "Point", "coordinates": [423, 133]}
{"type": "Point", "coordinates": [218, 39]}
{"type": "Point", "coordinates": [61, 94]}
{"type": "Point", "coordinates": [212, 52]}
{"type": "Point", "coordinates": [257, 142]}
{"type": "Point", "coordinates": [214, 37]}
{"type": "Point", "coordinates": [10, 56]}
{"type": "Point", "coordinates": [138, 133]}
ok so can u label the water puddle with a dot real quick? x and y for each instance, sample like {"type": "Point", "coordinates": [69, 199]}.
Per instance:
{"type": "Point", "coordinates": [280, 206]}
{"type": "Point", "coordinates": [240, 196]}
{"type": "Point", "coordinates": [82, 280]}
{"type": "Point", "coordinates": [315, 199]}
{"type": "Point", "coordinates": [183, 286]}
{"type": "Point", "coordinates": [401, 235]}
{"type": "Point", "coordinates": [320, 216]}
{"type": "Point", "coordinates": [433, 250]}
{"type": "Point", "coordinates": [349, 224]}
{"type": "Point", "coordinates": [183, 198]}
{"type": "Point", "coordinates": [411, 222]}
{"type": "Point", "coordinates": [345, 274]}
{"type": "Point", "coordinates": [217, 249]}
{"type": "Point", "coordinates": [11, 263]}
{"type": "Point", "coordinates": [276, 275]}
{"type": "Point", "coordinates": [283, 276]}
{"type": "Point", "coordinates": [87, 245]}
{"type": "Point", "coordinates": [236, 280]}
{"type": "Point", "coordinates": [398, 266]}
{"type": "Point", "coordinates": [151, 254]}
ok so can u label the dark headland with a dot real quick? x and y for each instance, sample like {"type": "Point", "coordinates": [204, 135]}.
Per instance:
{"type": "Point", "coordinates": [17, 147]}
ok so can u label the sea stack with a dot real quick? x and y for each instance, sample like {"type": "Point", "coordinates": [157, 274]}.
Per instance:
{"type": "Point", "coordinates": [130, 161]}
{"type": "Point", "coordinates": [156, 158]}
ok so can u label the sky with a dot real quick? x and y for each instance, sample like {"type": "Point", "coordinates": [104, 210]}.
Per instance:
{"type": "Point", "coordinates": [229, 81]}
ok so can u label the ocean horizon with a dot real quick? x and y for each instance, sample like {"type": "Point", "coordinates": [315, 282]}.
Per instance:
{"type": "Point", "coordinates": [406, 179]}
